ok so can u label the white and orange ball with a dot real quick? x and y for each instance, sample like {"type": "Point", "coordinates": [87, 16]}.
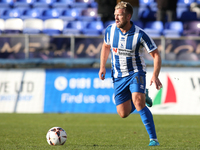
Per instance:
{"type": "Point", "coordinates": [56, 136]}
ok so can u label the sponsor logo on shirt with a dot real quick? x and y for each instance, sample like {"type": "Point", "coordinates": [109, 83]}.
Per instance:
{"type": "Point", "coordinates": [115, 50]}
{"type": "Point", "coordinates": [124, 52]}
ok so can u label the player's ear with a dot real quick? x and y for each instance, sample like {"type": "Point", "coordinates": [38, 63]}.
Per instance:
{"type": "Point", "coordinates": [129, 16]}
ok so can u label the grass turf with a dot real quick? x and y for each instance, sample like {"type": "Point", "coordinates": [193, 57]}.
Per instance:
{"type": "Point", "coordinates": [98, 131]}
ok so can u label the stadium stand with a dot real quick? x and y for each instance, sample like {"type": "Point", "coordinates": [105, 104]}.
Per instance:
{"type": "Point", "coordinates": [82, 10]}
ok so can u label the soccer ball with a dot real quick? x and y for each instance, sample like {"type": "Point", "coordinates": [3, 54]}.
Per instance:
{"type": "Point", "coordinates": [56, 136]}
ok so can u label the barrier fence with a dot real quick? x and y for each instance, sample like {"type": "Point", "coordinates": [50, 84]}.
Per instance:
{"type": "Point", "coordinates": [48, 47]}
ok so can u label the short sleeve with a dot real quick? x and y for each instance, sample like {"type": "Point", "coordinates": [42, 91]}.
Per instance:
{"type": "Point", "coordinates": [107, 35]}
{"type": "Point", "coordinates": [148, 42]}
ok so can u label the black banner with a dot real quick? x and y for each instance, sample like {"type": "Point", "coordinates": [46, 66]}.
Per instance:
{"type": "Point", "coordinates": [47, 47]}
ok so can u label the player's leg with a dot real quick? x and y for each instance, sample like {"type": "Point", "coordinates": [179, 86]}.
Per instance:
{"type": "Point", "coordinates": [123, 96]}
{"type": "Point", "coordinates": [138, 96]}
{"type": "Point", "coordinates": [146, 116]}
{"type": "Point", "coordinates": [125, 108]}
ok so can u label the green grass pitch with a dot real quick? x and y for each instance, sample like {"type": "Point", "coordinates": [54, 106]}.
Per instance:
{"type": "Point", "coordinates": [98, 132]}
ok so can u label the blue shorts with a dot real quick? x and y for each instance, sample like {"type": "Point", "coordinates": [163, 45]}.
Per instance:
{"type": "Point", "coordinates": [125, 86]}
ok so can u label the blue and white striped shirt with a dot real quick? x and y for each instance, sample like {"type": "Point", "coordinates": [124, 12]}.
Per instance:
{"type": "Point", "coordinates": [127, 49]}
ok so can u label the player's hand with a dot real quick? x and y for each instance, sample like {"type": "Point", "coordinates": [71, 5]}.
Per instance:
{"type": "Point", "coordinates": [102, 73]}
{"type": "Point", "coordinates": [157, 82]}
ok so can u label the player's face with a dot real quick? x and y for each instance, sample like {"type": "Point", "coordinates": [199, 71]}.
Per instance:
{"type": "Point", "coordinates": [120, 18]}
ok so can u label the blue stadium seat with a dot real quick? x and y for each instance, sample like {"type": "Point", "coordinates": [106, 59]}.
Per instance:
{"type": "Point", "coordinates": [188, 16]}
{"type": "Point", "coordinates": [107, 23]}
{"type": "Point", "coordinates": [53, 26]}
{"type": "Point", "coordinates": [43, 3]}
{"type": "Point", "coordinates": [23, 3]}
{"type": "Point", "coordinates": [144, 3]}
{"type": "Point", "coordinates": [31, 13]}
{"type": "Point", "coordinates": [154, 28]}
{"type": "Point", "coordinates": [153, 5]}
{"type": "Point", "coordinates": [173, 29]}
{"type": "Point", "coordinates": [11, 13]}
{"type": "Point", "coordinates": [70, 14]}
{"type": "Point", "coordinates": [13, 26]}
{"type": "Point", "coordinates": [191, 28]}
{"type": "Point", "coordinates": [89, 14]}
{"type": "Point", "coordinates": [2, 10]}
{"type": "Point", "coordinates": [50, 13]}
{"type": "Point", "coordinates": [6, 3]}
{"type": "Point", "coordinates": [139, 24]}
{"type": "Point", "coordinates": [81, 3]}
{"type": "Point", "coordinates": [147, 15]}
{"type": "Point", "coordinates": [94, 28]}
{"type": "Point", "coordinates": [184, 3]}
{"type": "Point", "coordinates": [62, 3]}
{"type": "Point", "coordinates": [180, 10]}
{"type": "Point", "coordinates": [93, 4]}
{"type": "Point", "coordinates": [33, 26]}
{"type": "Point", "coordinates": [74, 27]}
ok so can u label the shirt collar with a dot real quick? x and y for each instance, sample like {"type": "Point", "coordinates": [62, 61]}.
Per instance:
{"type": "Point", "coordinates": [131, 31]}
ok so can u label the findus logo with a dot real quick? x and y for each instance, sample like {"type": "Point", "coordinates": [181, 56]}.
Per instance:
{"type": "Point", "coordinates": [170, 94]}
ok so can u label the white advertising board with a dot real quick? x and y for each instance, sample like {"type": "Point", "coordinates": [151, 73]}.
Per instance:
{"type": "Point", "coordinates": [22, 90]}
{"type": "Point", "coordinates": [180, 93]}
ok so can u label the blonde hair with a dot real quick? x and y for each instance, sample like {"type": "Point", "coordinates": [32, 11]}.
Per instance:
{"type": "Point", "coordinates": [126, 6]}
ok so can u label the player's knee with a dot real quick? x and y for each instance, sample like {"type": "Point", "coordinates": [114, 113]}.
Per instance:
{"type": "Point", "coordinates": [139, 101]}
{"type": "Point", "coordinates": [139, 104]}
{"type": "Point", "coordinates": [123, 114]}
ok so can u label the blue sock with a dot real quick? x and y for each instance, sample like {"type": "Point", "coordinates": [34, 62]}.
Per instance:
{"type": "Point", "coordinates": [133, 106]}
{"type": "Point", "coordinates": [147, 120]}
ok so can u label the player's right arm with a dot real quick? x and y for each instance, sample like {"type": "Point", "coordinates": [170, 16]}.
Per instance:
{"type": "Point", "coordinates": [105, 51]}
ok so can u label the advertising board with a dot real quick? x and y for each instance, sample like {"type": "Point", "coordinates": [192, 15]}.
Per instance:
{"type": "Point", "coordinates": [21, 90]}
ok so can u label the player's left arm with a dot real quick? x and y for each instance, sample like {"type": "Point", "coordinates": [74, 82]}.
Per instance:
{"type": "Point", "coordinates": [157, 66]}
